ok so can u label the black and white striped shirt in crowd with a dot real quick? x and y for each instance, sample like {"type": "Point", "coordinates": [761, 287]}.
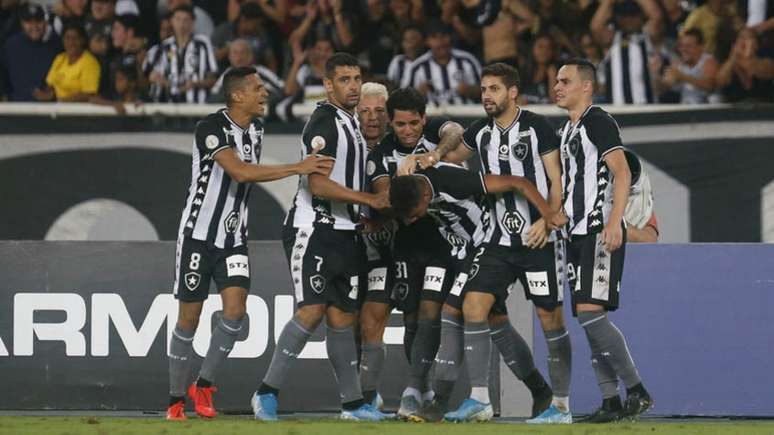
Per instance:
{"type": "Point", "coordinates": [586, 179]}
{"type": "Point", "coordinates": [179, 65]}
{"type": "Point", "coordinates": [273, 84]}
{"type": "Point", "coordinates": [458, 204]}
{"type": "Point", "coordinates": [216, 207]}
{"type": "Point", "coordinates": [626, 70]}
{"type": "Point", "coordinates": [444, 80]}
{"type": "Point", "coordinates": [515, 150]}
{"type": "Point", "coordinates": [398, 69]}
{"type": "Point", "coordinates": [334, 132]}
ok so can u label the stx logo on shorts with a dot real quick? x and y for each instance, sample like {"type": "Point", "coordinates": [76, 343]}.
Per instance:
{"type": "Point", "coordinates": [513, 222]}
{"type": "Point", "coordinates": [434, 277]}
{"type": "Point", "coordinates": [192, 280]}
{"type": "Point", "coordinates": [538, 283]}
{"type": "Point", "coordinates": [377, 279]}
{"type": "Point", "coordinates": [231, 222]}
{"type": "Point", "coordinates": [238, 265]}
{"type": "Point", "coordinates": [317, 282]}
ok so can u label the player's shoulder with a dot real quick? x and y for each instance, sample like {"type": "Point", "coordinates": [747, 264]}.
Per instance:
{"type": "Point", "coordinates": [324, 112]}
{"type": "Point", "coordinates": [212, 122]}
{"type": "Point", "coordinates": [257, 124]}
{"type": "Point", "coordinates": [599, 117]}
{"type": "Point", "coordinates": [536, 120]}
{"type": "Point", "coordinates": [479, 124]}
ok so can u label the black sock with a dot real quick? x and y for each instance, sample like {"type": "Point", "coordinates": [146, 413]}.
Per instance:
{"type": "Point", "coordinates": [612, 403]}
{"type": "Point", "coordinates": [369, 396]}
{"type": "Point", "coordinates": [355, 404]}
{"type": "Point", "coordinates": [536, 383]}
{"type": "Point", "coordinates": [266, 389]}
{"type": "Point", "coordinates": [639, 388]}
{"type": "Point", "coordinates": [176, 399]}
{"type": "Point", "coordinates": [203, 383]}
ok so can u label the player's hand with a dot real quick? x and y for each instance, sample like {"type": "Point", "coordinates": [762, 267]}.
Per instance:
{"type": "Point", "coordinates": [408, 165]}
{"type": "Point", "coordinates": [316, 164]}
{"type": "Point", "coordinates": [537, 237]}
{"type": "Point", "coordinates": [380, 201]}
{"type": "Point", "coordinates": [557, 220]}
{"type": "Point", "coordinates": [612, 236]}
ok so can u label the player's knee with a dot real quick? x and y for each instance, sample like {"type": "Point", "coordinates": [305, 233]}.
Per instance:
{"type": "Point", "coordinates": [187, 323]}
{"type": "Point", "coordinates": [310, 316]}
{"type": "Point", "coordinates": [550, 319]}
{"type": "Point", "coordinates": [429, 310]}
{"type": "Point", "coordinates": [449, 310]}
{"type": "Point", "coordinates": [475, 309]}
{"type": "Point", "coordinates": [496, 320]}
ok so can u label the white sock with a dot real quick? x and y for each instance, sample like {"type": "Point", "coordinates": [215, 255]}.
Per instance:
{"type": "Point", "coordinates": [409, 391]}
{"type": "Point", "coordinates": [428, 395]}
{"type": "Point", "coordinates": [561, 403]}
{"type": "Point", "coordinates": [480, 394]}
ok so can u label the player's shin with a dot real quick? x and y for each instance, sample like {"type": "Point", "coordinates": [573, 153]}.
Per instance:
{"type": "Point", "coordinates": [291, 342]}
{"type": "Point", "coordinates": [180, 353]}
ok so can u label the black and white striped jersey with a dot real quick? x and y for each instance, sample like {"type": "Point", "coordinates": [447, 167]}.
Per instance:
{"type": "Point", "coordinates": [626, 70]}
{"type": "Point", "coordinates": [398, 69]}
{"type": "Point", "coordinates": [586, 181]}
{"type": "Point", "coordinates": [515, 150]}
{"type": "Point", "coordinates": [273, 84]}
{"type": "Point", "coordinates": [385, 158]}
{"type": "Point", "coordinates": [445, 79]}
{"type": "Point", "coordinates": [334, 132]}
{"type": "Point", "coordinates": [179, 65]}
{"type": "Point", "coordinates": [458, 204]}
{"type": "Point", "coordinates": [216, 207]}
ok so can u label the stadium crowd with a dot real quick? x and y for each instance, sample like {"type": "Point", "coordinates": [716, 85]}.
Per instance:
{"type": "Point", "coordinates": [116, 52]}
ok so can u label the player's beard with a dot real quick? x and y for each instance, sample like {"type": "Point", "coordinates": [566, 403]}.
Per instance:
{"type": "Point", "coordinates": [498, 109]}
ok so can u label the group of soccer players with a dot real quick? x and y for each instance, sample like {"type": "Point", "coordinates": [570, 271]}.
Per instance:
{"type": "Point", "coordinates": [387, 220]}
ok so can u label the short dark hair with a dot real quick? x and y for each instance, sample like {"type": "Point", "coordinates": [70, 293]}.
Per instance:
{"type": "Point", "coordinates": [250, 10]}
{"type": "Point", "coordinates": [235, 79]}
{"type": "Point", "coordinates": [339, 59]}
{"type": "Point", "coordinates": [507, 73]}
{"type": "Point", "coordinates": [696, 33]}
{"type": "Point", "coordinates": [77, 28]}
{"type": "Point", "coordinates": [408, 99]}
{"type": "Point", "coordinates": [129, 21]}
{"type": "Point", "coordinates": [405, 194]}
{"type": "Point", "coordinates": [412, 26]}
{"type": "Point", "coordinates": [184, 8]}
{"type": "Point", "coordinates": [585, 68]}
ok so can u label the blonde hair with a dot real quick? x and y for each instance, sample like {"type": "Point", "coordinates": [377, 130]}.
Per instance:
{"type": "Point", "coordinates": [373, 89]}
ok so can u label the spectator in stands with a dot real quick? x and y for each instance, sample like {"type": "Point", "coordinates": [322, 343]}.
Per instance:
{"type": "Point", "coordinates": [501, 36]}
{"type": "Point", "coordinates": [412, 46]}
{"type": "Point", "coordinates": [745, 75]}
{"type": "Point", "coordinates": [240, 54]}
{"type": "Point", "coordinates": [27, 55]}
{"type": "Point", "coordinates": [407, 11]}
{"type": "Point", "coordinates": [182, 69]}
{"type": "Point", "coordinates": [378, 36]}
{"type": "Point", "coordinates": [203, 23]}
{"type": "Point", "coordinates": [304, 81]}
{"type": "Point", "coordinates": [465, 33]}
{"type": "Point", "coordinates": [128, 49]}
{"type": "Point", "coordinates": [674, 14]}
{"type": "Point", "coordinates": [717, 19]}
{"type": "Point", "coordinates": [325, 19]}
{"type": "Point", "coordinates": [100, 20]}
{"type": "Point", "coordinates": [165, 27]}
{"type": "Point", "coordinates": [539, 73]}
{"type": "Point", "coordinates": [74, 74]}
{"type": "Point", "coordinates": [628, 81]}
{"type": "Point", "coordinates": [249, 26]}
{"type": "Point", "coordinates": [9, 19]}
{"type": "Point", "coordinates": [125, 90]}
{"type": "Point", "coordinates": [444, 74]}
{"type": "Point", "coordinates": [68, 12]}
{"type": "Point", "coordinates": [693, 77]}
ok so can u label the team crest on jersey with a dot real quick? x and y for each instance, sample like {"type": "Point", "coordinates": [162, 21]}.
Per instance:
{"type": "Point", "coordinates": [473, 271]}
{"type": "Point", "coordinates": [400, 291]}
{"type": "Point", "coordinates": [521, 149]}
{"type": "Point", "coordinates": [574, 145]}
{"type": "Point", "coordinates": [231, 222]}
{"type": "Point", "coordinates": [370, 168]}
{"type": "Point", "coordinates": [211, 142]}
{"type": "Point", "coordinates": [192, 280]}
{"type": "Point", "coordinates": [317, 282]}
{"type": "Point", "coordinates": [513, 222]}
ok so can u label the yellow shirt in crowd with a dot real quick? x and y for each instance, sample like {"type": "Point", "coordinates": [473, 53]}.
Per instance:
{"type": "Point", "coordinates": [80, 77]}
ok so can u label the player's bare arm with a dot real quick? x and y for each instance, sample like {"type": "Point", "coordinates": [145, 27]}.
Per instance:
{"type": "Point", "coordinates": [451, 142]}
{"type": "Point", "coordinates": [612, 235]}
{"type": "Point", "coordinates": [322, 186]}
{"type": "Point", "coordinates": [513, 183]}
{"type": "Point", "coordinates": [242, 172]}
{"type": "Point", "coordinates": [538, 234]}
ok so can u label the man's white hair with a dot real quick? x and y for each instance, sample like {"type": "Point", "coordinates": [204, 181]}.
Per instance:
{"type": "Point", "coordinates": [371, 89]}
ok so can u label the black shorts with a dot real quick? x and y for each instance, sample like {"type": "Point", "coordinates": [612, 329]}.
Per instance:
{"type": "Point", "coordinates": [593, 273]}
{"type": "Point", "coordinates": [424, 268]}
{"type": "Point", "coordinates": [325, 265]}
{"type": "Point", "coordinates": [496, 269]}
{"type": "Point", "coordinates": [379, 270]}
{"type": "Point", "coordinates": [196, 264]}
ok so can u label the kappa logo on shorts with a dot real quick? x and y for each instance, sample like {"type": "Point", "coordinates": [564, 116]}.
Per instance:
{"type": "Point", "coordinates": [513, 222]}
{"type": "Point", "coordinates": [231, 221]}
{"type": "Point", "coordinates": [400, 291]}
{"type": "Point", "coordinates": [317, 282]}
{"type": "Point", "coordinates": [192, 280]}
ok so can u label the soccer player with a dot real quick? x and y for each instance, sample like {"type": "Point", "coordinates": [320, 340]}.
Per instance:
{"type": "Point", "coordinates": [425, 261]}
{"type": "Point", "coordinates": [596, 181]}
{"type": "Point", "coordinates": [512, 140]}
{"type": "Point", "coordinates": [454, 197]}
{"type": "Point", "coordinates": [324, 250]}
{"type": "Point", "coordinates": [212, 242]}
